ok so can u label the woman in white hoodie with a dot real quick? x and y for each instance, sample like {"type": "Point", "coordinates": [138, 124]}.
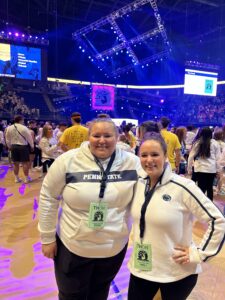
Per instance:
{"type": "Point", "coordinates": [205, 157]}
{"type": "Point", "coordinates": [163, 209]}
{"type": "Point", "coordinates": [49, 152]}
{"type": "Point", "coordinates": [88, 243]}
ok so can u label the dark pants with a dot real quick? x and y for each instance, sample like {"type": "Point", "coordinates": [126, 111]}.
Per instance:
{"type": "Point", "coordinates": [81, 278]}
{"type": "Point", "coordinates": [37, 157]}
{"type": "Point", "coordinates": [205, 183]}
{"type": "Point", "coordinates": [193, 175]}
{"type": "Point", "coordinates": [47, 164]}
{"type": "Point", "coordinates": [1, 151]}
{"type": "Point", "coordinates": [141, 289]}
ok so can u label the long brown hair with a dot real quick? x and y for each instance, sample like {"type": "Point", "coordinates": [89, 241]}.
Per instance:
{"type": "Point", "coordinates": [204, 143]}
{"type": "Point", "coordinates": [45, 131]}
{"type": "Point", "coordinates": [180, 132]}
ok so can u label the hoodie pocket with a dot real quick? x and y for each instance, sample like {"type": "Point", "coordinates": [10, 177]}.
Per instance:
{"type": "Point", "coordinates": [111, 231]}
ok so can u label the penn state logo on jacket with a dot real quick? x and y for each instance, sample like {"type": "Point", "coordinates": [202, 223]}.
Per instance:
{"type": "Point", "coordinates": [166, 197]}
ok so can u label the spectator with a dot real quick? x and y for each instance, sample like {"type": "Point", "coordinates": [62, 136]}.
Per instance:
{"type": "Point", "coordinates": [205, 156]}
{"type": "Point", "coordinates": [49, 152]}
{"type": "Point", "coordinates": [165, 205]}
{"type": "Point", "coordinates": [130, 138]}
{"type": "Point", "coordinates": [18, 138]}
{"type": "Point", "coordinates": [96, 183]}
{"type": "Point", "coordinates": [75, 135]}
{"type": "Point", "coordinates": [123, 144]}
{"type": "Point", "coordinates": [173, 144]}
{"type": "Point", "coordinates": [218, 136]}
{"type": "Point", "coordinates": [1, 141]}
{"type": "Point", "coordinates": [62, 128]}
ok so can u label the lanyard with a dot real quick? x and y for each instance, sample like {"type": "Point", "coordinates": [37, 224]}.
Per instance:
{"type": "Point", "coordinates": [104, 174]}
{"type": "Point", "coordinates": [148, 195]}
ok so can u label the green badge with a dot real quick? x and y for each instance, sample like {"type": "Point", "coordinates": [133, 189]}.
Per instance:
{"type": "Point", "coordinates": [143, 257]}
{"type": "Point", "coordinates": [97, 215]}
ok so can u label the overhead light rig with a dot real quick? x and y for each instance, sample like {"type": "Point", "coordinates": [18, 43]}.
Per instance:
{"type": "Point", "coordinates": [133, 41]}
{"type": "Point", "coordinates": [15, 36]}
{"type": "Point", "coordinates": [101, 59]}
{"type": "Point", "coordinates": [145, 62]}
{"type": "Point", "coordinates": [114, 15]}
{"type": "Point", "coordinates": [201, 65]}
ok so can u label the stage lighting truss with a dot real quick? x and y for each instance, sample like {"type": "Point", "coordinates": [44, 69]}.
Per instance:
{"type": "Point", "coordinates": [14, 36]}
{"type": "Point", "coordinates": [201, 65]}
{"type": "Point", "coordinates": [113, 16]}
{"type": "Point", "coordinates": [123, 45]}
{"type": "Point", "coordinates": [125, 42]}
{"type": "Point", "coordinates": [144, 63]}
{"type": "Point", "coordinates": [80, 36]}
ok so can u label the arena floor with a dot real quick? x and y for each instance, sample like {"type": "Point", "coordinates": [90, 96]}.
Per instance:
{"type": "Point", "coordinates": [26, 274]}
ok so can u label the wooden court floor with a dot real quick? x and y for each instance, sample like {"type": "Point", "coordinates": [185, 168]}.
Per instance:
{"type": "Point", "coordinates": [26, 274]}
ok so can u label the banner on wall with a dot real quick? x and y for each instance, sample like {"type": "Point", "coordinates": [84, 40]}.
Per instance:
{"type": "Point", "coordinates": [103, 97]}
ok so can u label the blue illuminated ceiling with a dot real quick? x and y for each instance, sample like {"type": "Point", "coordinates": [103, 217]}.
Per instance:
{"type": "Point", "coordinates": [116, 43]}
{"type": "Point", "coordinates": [195, 31]}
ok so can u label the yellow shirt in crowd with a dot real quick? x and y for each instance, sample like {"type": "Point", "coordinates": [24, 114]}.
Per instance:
{"type": "Point", "coordinates": [74, 136]}
{"type": "Point", "coordinates": [173, 143]}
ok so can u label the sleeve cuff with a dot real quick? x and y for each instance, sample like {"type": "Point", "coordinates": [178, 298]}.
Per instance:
{"type": "Point", "coordinates": [47, 237]}
{"type": "Point", "coordinates": [194, 255]}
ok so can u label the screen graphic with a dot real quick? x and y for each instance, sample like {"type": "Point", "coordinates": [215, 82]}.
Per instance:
{"type": "Point", "coordinates": [200, 82]}
{"type": "Point", "coordinates": [20, 62]}
{"type": "Point", "coordinates": [103, 97]}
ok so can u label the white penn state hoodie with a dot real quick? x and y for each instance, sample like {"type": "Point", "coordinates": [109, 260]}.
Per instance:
{"type": "Point", "coordinates": [75, 177]}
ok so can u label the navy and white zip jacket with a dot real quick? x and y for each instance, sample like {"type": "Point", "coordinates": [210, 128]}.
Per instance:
{"type": "Point", "coordinates": [76, 177]}
{"type": "Point", "coordinates": [168, 222]}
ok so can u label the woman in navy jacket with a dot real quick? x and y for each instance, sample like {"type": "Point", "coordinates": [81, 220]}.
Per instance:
{"type": "Point", "coordinates": [164, 207]}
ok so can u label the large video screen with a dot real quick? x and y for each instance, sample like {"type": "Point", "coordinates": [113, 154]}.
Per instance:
{"type": "Point", "coordinates": [22, 62]}
{"type": "Point", "coordinates": [200, 82]}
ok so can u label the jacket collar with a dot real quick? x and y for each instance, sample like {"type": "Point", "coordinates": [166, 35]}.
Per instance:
{"type": "Point", "coordinates": [166, 176]}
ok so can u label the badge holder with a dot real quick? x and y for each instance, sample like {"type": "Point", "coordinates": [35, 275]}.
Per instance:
{"type": "Point", "coordinates": [143, 257]}
{"type": "Point", "coordinates": [97, 215]}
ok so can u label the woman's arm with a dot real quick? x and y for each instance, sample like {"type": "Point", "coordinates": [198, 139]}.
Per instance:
{"type": "Point", "coordinates": [51, 189]}
{"type": "Point", "coordinates": [46, 148]}
{"type": "Point", "coordinates": [218, 157]}
{"type": "Point", "coordinates": [191, 159]}
{"type": "Point", "coordinates": [205, 210]}
{"type": "Point", "coordinates": [222, 159]}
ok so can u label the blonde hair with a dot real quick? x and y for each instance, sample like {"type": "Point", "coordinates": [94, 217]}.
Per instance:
{"type": "Point", "coordinates": [103, 120]}
{"type": "Point", "coordinates": [45, 131]}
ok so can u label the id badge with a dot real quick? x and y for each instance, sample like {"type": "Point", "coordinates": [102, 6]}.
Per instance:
{"type": "Point", "coordinates": [143, 257]}
{"type": "Point", "coordinates": [97, 215]}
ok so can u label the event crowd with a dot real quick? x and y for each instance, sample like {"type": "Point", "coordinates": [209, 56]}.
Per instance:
{"type": "Point", "coordinates": [130, 171]}
{"type": "Point", "coordinates": [13, 104]}
{"type": "Point", "coordinates": [129, 139]}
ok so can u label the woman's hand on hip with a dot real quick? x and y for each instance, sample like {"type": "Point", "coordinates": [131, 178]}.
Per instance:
{"type": "Point", "coordinates": [181, 255]}
{"type": "Point", "coordinates": [49, 250]}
